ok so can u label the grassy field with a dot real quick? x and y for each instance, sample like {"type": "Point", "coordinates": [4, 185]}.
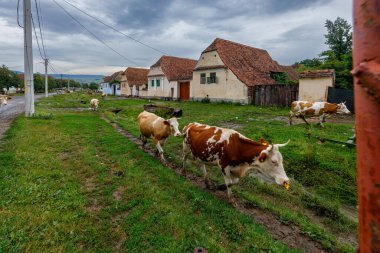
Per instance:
{"type": "Point", "coordinates": [323, 180]}
{"type": "Point", "coordinates": [69, 183]}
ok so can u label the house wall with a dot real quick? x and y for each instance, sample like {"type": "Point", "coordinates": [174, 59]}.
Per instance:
{"type": "Point", "coordinates": [164, 90]}
{"type": "Point", "coordinates": [314, 89]}
{"type": "Point", "coordinates": [125, 90]}
{"type": "Point", "coordinates": [227, 88]}
{"type": "Point", "coordinates": [105, 88]}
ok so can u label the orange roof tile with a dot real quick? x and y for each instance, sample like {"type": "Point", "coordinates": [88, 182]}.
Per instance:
{"type": "Point", "coordinates": [175, 68]}
{"type": "Point", "coordinates": [136, 76]}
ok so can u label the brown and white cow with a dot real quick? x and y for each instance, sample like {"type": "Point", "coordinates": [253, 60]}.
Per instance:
{"type": "Point", "coordinates": [321, 109]}
{"type": "Point", "coordinates": [157, 128]}
{"type": "Point", "coordinates": [94, 104]}
{"type": "Point", "coordinates": [4, 100]}
{"type": "Point", "coordinates": [235, 154]}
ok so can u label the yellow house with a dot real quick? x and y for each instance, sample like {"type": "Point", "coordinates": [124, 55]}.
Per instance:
{"type": "Point", "coordinates": [227, 71]}
{"type": "Point", "coordinates": [313, 84]}
{"type": "Point", "coordinates": [170, 78]}
{"type": "Point", "coordinates": [134, 82]}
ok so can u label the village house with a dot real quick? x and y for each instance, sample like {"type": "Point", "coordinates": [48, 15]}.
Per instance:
{"type": "Point", "coordinates": [134, 82]}
{"type": "Point", "coordinates": [170, 78]}
{"type": "Point", "coordinates": [314, 84]}
{"type": "Point", "coordinates": [227, 71]}
{"type": "Point", "coordinates": [111, 84]}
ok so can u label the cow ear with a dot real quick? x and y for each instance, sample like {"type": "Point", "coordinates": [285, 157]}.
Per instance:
{"type": "Point", "coordinates": [263, 156]}
{"type": "Point", "coordinates": [166, 122]}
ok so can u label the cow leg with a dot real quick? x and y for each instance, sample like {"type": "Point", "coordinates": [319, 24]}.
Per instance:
{"type": "Point", "coordinates": [290, 118]}
{"type": "Point", "coordinates": [185, 154]}
{"type": "Point", "coordinates": [303, 118]}
{"type": "Point", "coordinates": [321, 120]}
{"type": "Point", "coordinates": [209, 184]}
{"type": "Point", "coordinates": [229, 181]}
{"type": "Point", "coordinates": [159, 148]}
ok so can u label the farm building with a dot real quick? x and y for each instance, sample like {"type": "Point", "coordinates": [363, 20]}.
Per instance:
{"type": "Point", "coordinates": [170, 78]}
{"type": "Point", "coordinates": [227, 71]}
{"type": "Point", "coordinates": [111, 84]}
{"type": "Point", "coordinates": [134, 82]}
{"type": "Point", "coordinates": [313, 84]}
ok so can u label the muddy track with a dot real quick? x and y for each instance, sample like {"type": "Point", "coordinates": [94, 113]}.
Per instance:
{"type": "Point", "coordinates": [289, 234]}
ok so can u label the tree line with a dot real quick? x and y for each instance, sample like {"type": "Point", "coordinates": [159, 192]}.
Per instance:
{"type": "Point", "coordinates": [9, 78]}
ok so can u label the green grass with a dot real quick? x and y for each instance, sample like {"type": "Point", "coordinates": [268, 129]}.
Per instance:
{"type": "Point", "coordinates": [323, 176]}
{"type": "Point", "coordinates": [71, 183]}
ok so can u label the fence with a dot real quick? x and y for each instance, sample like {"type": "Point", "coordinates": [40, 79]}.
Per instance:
{"type": "Point", "coordinates": [275, 94]}
{"type": "Point", "coordinates": [335, 95]}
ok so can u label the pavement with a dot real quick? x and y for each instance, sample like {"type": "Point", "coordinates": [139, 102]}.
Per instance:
{"type": "Point", "coordinates": [9, 112]}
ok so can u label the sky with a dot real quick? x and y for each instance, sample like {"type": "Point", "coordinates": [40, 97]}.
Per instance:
{"type": "Point", "coordinates": [290, 30]}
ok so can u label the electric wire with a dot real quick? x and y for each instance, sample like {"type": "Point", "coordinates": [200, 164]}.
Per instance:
{"type": "Point", "coordinates": [116, 30]}
{"type": "Point", "coordinates": [39, 25]}
{"type": "Point", "coordinates": [94, 35]}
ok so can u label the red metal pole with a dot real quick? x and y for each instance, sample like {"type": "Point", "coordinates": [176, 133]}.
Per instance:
{"type": "Point", "coordinates": [367, 107]}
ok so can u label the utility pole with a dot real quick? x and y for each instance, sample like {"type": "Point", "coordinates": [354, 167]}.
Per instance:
{"type": "Point", "coordinates": [68, 84]}
{"type": "Point", "coordinates": [28, 61]}
{"type": "Point", "coordinates": [46, 79]}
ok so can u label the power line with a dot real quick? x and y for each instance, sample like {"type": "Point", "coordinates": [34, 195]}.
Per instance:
{"type": "Point", "coordinates": [43, 27]}
{"type": "Point", "coordinates": [96, 37]}
{"type": "Point", "coordinates": [39, 25]}
{"type": "Point", "coordinates": [38, 43]}
{"type": "Point", "coordinates": [18, 18]}
{"type": "Point", "coordinates": [116, 30]}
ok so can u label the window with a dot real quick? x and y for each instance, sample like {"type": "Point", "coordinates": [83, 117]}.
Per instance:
{"type": "Point", "coordinates": [212, 78]}
{"type": "Point", "coordinates": [203, 78]}
{"type": "Point", "coordinates": [152, 83]}
{"type": "Point", "coordinates": [157, 82]}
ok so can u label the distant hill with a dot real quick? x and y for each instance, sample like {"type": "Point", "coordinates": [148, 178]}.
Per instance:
{"type": "Point", "coordinates": [80, 78]}
{"type": "Point", "coordinates": [77, 78]}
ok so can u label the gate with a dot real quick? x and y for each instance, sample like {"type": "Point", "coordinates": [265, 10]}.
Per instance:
{"type": "Point", "coordinates": [273, 94]}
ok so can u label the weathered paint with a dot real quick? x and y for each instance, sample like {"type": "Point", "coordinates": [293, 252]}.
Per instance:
{"type": "Point", "coordinates": [314, 89]}
{"type": "Point", "coordinates": [367, 106]}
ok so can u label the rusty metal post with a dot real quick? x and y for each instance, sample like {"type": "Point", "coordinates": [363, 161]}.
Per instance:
{"type": "Point", "coordinates": [367, 107]}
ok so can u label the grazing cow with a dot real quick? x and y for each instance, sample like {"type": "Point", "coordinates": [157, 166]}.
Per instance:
{"type": "Point", "coordinates": [4, 100]}
{"type": "Point", "coordinates": [153, 126]}
{"type": "Point", "coordinates": [321, 109]}
{"type": "Point", "coordinates": [235, 154]}
{"type": "Point", "coordinates": [94, 104]}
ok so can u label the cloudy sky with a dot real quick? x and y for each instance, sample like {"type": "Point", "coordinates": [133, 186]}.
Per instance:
{"type": "Point", "coordinates": [290, 30]}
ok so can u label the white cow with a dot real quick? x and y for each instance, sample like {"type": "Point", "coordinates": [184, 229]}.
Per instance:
{"type": "Point", "coordinates": [4, 100]}
{"type": "Point", "coordinates": [94, 104]}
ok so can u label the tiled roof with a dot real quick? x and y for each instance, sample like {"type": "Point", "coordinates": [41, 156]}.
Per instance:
{"type": "Point", "coordinates": [317, 73]}
{"type": "Point", "coordinates": [176, 68]}
{"type": "Point", "coordinates": [251, 65]}
{"type": "Point", "coordinates": [116, 76]}
{"type": "Point", "coordinates": [136, 76]}
{"type": "Point", "coordinates": [107, 79]}
{"type": "Point", "coordinates": [291, 72]}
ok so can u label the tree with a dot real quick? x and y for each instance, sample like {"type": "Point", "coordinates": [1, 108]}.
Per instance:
{"type": "Point", "coordinates": [93, 86]}
{"type": "Point", "coordinates": [339, 37]}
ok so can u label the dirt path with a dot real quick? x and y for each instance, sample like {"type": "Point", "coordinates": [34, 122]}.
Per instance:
{"type": "Point", "coordinates": [289, 234]}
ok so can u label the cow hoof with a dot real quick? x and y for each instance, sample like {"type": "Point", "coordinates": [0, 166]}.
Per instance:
{"type": "Point", "coordinates": [232, 201]}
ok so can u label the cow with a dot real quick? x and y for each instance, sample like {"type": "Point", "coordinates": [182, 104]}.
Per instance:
{"type": "Point", "coordinates": [4, 100]}
{"type": "Point", "coordinates": [300, 109]}
{"type": "Point", "coordinates": [235, 154]}
{"type": "Point", "coordinates": [157, 128]}
{"type": "Point", "coordinates": [94, 104]}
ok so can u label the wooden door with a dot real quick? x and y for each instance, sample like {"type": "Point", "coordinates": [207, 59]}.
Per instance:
{"type": "Point", "coordinates": [184, 91]}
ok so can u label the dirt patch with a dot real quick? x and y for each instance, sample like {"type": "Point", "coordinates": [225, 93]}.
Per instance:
{"type": "Point", "coordinates": [336, 118]}
{"type": "Point", "coordinates": [6, 121]}
{"type": "Point", "coordinates": [118, 193]}
{"type": "Point", "coordinates": [289, 234]}
{"type": "Point", "coordinates": [231, 125]}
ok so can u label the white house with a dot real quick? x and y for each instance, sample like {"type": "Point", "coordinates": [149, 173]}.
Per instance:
{"type": "Point", "coordinates": [111, 84]}
{"type": "Point", "coordinates": [170, 78]}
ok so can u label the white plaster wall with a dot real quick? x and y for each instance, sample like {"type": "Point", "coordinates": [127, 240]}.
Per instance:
{"type": "Point", "coordinates": [227, 88]}
{"type": "Point", "coordinates": [314, 89]}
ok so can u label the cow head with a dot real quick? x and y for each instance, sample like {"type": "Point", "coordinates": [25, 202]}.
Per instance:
{"type": "Point", "coordinates": [173, 123]}
{"type": "Point", "coordinates": [268, 166]}
{"type": "Point", "coordinates": [342, 109]}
